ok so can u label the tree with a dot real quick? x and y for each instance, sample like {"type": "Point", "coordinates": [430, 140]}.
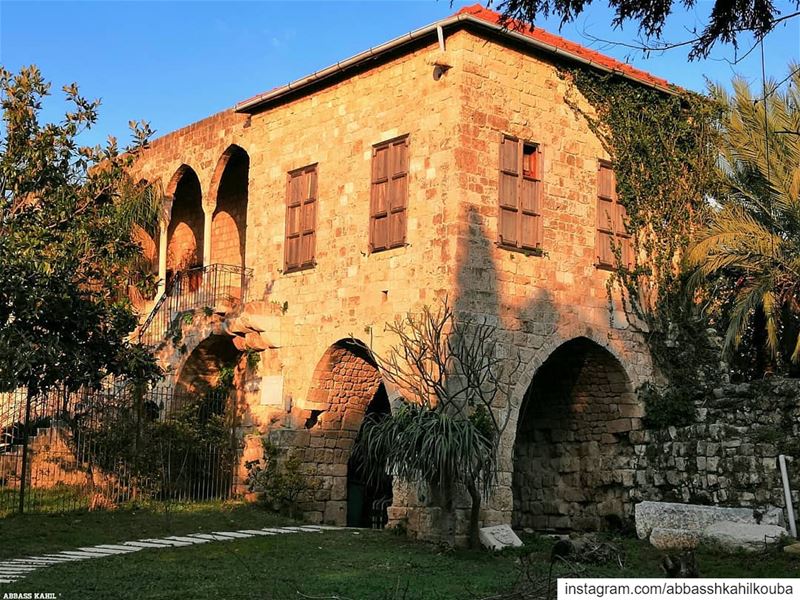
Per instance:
{"type": "Point", "coordinates": [752, 242]}
{"type": "Point", "coordinates": [452, 372]}
{"type": "Point", "coordinates": [66, 250]}
{"type": "Point", "coordinates": [728, 18]}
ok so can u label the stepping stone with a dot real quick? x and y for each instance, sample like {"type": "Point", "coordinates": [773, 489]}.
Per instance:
{"type": "Point", "coordinates": [34, 560]}
{"type": "Point", "coordinates": [99, 551]}
{"type": "Point", "coordinates": [189, 540]}
{"type": "Point", "coordinates": [6, 580]}
{"type": "Point", "coordinates": [166, 542]}
{"type": "Point", "coordinates": [78, 555]}
{"type": "Point", "coordinates": [142, 544]}
{"type": "Point", "coordinates": [276, 530]}
{"type": "Point", "coordinates": [62, 557]}
{"type": "Point", "coordinates": [211, 537]}
{"type": "Point", "coordinates": [18, 567]}
{"type": "Point", "coordinates": [257, 532]}
{"type": "Point", "coordinates": [122, 549]}
{"type": "Point", "coordinates": [233, 534]}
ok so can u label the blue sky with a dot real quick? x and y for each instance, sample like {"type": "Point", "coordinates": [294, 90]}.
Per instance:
{"type": "Point", "coordinates": [173, 63]}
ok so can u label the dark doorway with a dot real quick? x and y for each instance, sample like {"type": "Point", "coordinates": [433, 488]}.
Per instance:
{"type": "Point", "coordinates": [368, 501]}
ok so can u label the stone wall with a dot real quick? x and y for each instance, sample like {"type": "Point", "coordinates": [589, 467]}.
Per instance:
{"type": "Point", "coordinates": [730, 455]}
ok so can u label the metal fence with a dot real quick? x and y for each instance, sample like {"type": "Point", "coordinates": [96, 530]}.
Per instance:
{"type": "Point", "coordinates": [215, 287]}
{"type": "Point", "coordinates": [108, 447]}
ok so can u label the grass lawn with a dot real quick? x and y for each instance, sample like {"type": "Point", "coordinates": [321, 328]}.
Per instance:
{"type": "Point", "coordinates": [30, 534]}
{"type": "Point", "coordinates": [345, 564]}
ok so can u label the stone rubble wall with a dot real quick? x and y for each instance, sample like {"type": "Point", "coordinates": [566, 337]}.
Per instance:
{"type": "Point", "coordinates": [729, 457]}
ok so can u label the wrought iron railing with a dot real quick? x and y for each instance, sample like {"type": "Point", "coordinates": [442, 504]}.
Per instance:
{"type": "Point", "coordinates": [106, 447]}
{"type": "Point", "coordinates": [200, 287]}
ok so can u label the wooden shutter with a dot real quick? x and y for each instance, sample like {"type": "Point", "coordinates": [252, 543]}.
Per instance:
{"type": "Point", "coordinates": [612, 218]}
{"type": "Point", "coordinates": [301, 218]}
{"type": "Point", "coordinates": [389, 196]}
{"type": "Point", "coordinates": [520, 189]}
{"type": "Point", "coordinates": [509, 184]}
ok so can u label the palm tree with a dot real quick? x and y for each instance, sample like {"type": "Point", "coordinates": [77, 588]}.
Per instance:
{"type": "Point", "coordinates": [753, 240]}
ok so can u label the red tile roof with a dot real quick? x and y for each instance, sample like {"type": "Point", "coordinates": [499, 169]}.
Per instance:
{"type": "Point", "coordinates": [545, 37]}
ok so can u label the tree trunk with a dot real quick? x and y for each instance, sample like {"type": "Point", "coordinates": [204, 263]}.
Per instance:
{"type": "Point", "coordinates": [474, 514]}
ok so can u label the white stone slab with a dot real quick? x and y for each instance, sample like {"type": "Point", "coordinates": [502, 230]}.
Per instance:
{"type": "Point", "coordinates": [257, 532]}
{"type": "Point", "coordinates": [233, 534]}
{"type": "Point", "coordinates": [694, 517]}
{"type": "Point", "coordinates": [499, 537]}
{"type": "Point", "coordinates": [77, 555]}
{"type": "Point", "coordinates": [742, 537]}
{"type": "Point", "coordinates": [189, 540]}
{"type": "Point", "coordinates": [18, 567]}
{"type": "Point", "coordinates": [99, 551]}
{"type": "Point", "coordinates": [276, 530]}
{"type": "Point", "coordinates": [141, 544]}
{"type": "Point", "coordinates": [119, 547]}
{"type": "Point", "coordinates": [168, 542]}
{"type": "Point", "coordinates": [211, 537]}
{"type": "Point", "coordinates": [62, 557]}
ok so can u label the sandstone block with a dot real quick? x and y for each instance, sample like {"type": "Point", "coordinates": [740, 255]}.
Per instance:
{"type": "Point", "coordinates": [674, 539]}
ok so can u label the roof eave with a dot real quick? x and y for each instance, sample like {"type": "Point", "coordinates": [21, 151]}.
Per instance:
{"type": "Point", "coordinates": [254, 103]}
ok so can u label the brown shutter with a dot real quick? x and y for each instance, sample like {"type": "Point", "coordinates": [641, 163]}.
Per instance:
{"type": "Point", "coordinates": [612, 218]}
{"type": "Point", "coordinates": [389, 196]}
{"type": "Point", "coordinates": [508, 193]}
{"type": "Point", "coordinates": [301, 218]}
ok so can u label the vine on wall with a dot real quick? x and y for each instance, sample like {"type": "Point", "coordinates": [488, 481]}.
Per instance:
{"type": "Point", "coordinates": [663, 150]}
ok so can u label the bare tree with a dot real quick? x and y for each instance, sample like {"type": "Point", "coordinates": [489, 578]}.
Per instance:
{"type": "Point", "coordinates": [453, 375]}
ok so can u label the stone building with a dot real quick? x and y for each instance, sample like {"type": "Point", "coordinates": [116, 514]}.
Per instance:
{"type": "Point", "coordinates": [446, 162]}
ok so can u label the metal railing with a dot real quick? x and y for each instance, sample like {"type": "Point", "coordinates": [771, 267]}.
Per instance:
{"type": "Point", "coordinates": [215, 287]}
{"type": "Point", "coordinates": [106, 447]}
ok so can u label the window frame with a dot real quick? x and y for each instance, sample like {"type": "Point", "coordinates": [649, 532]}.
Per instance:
{"type": "Point", "coordinates": [618, 211]}
{"type": "Point", "coordinates": [311, 200]}
{"type": "Point", "coordinates": [389, 212]}
{"type": "Point", "coordinates": [519, 211]}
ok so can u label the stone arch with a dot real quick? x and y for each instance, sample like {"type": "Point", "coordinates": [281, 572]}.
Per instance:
{"type": "Point", "coordinates": [201, 368]}
{"type": "Point", "coordinates": [343, 386]}
{"type": "Point", "coordinates": [572, 453]}
{"type": "Point", "coordinates": [228, 195]}
{"type": "Point", "coordinates": [142, 286]}
{"type": "Point", "coordinates": [185, 231]}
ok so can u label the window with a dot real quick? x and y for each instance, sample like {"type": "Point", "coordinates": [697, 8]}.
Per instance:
{"type": "Point", "coordinates": [301, 209]}
{"type": "Point", "coordinates": [611, 221]}
{"type": "Point", "coordinates": [387, 219]}
{"type": "Point", "coordinates": [520, 218]}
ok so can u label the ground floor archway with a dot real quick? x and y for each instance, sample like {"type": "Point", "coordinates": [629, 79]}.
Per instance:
{"type": "Point", "coordinates": [572, 454]}
{"type": "Point", "coordinates": [368, 499]}
{"type": "Point", "coordinates": [346, 386]}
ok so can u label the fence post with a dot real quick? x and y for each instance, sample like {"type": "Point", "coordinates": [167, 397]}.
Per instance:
{"type": "Point", "coordinates": [23, 478]}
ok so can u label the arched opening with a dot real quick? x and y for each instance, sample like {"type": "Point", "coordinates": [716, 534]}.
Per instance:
{"type": "Point", "coordinates": [346, 386]}
{"type": "Point", "coordinates": [143, 284]}
{"type": "Point", "coordinates": [572, 454]}
{"type": "Point", "coordinates": [229, 222]}
{"type": "Point", "coordinates": [185, 231]}
{"type": "Point", "coordinates": [205, 403]}
{"type": "Point", "coordinates": [368, 500]}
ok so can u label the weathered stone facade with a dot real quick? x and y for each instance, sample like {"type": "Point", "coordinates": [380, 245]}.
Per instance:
{"type": "Point", "coordinates": [455, 100]}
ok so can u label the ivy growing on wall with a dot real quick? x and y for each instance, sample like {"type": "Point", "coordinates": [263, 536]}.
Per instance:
{"type": "Point", "coordinates": [663, 150]}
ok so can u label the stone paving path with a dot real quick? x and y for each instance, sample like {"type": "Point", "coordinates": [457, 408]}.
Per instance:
{"type": "Point", "coordinates": [14, 569]}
